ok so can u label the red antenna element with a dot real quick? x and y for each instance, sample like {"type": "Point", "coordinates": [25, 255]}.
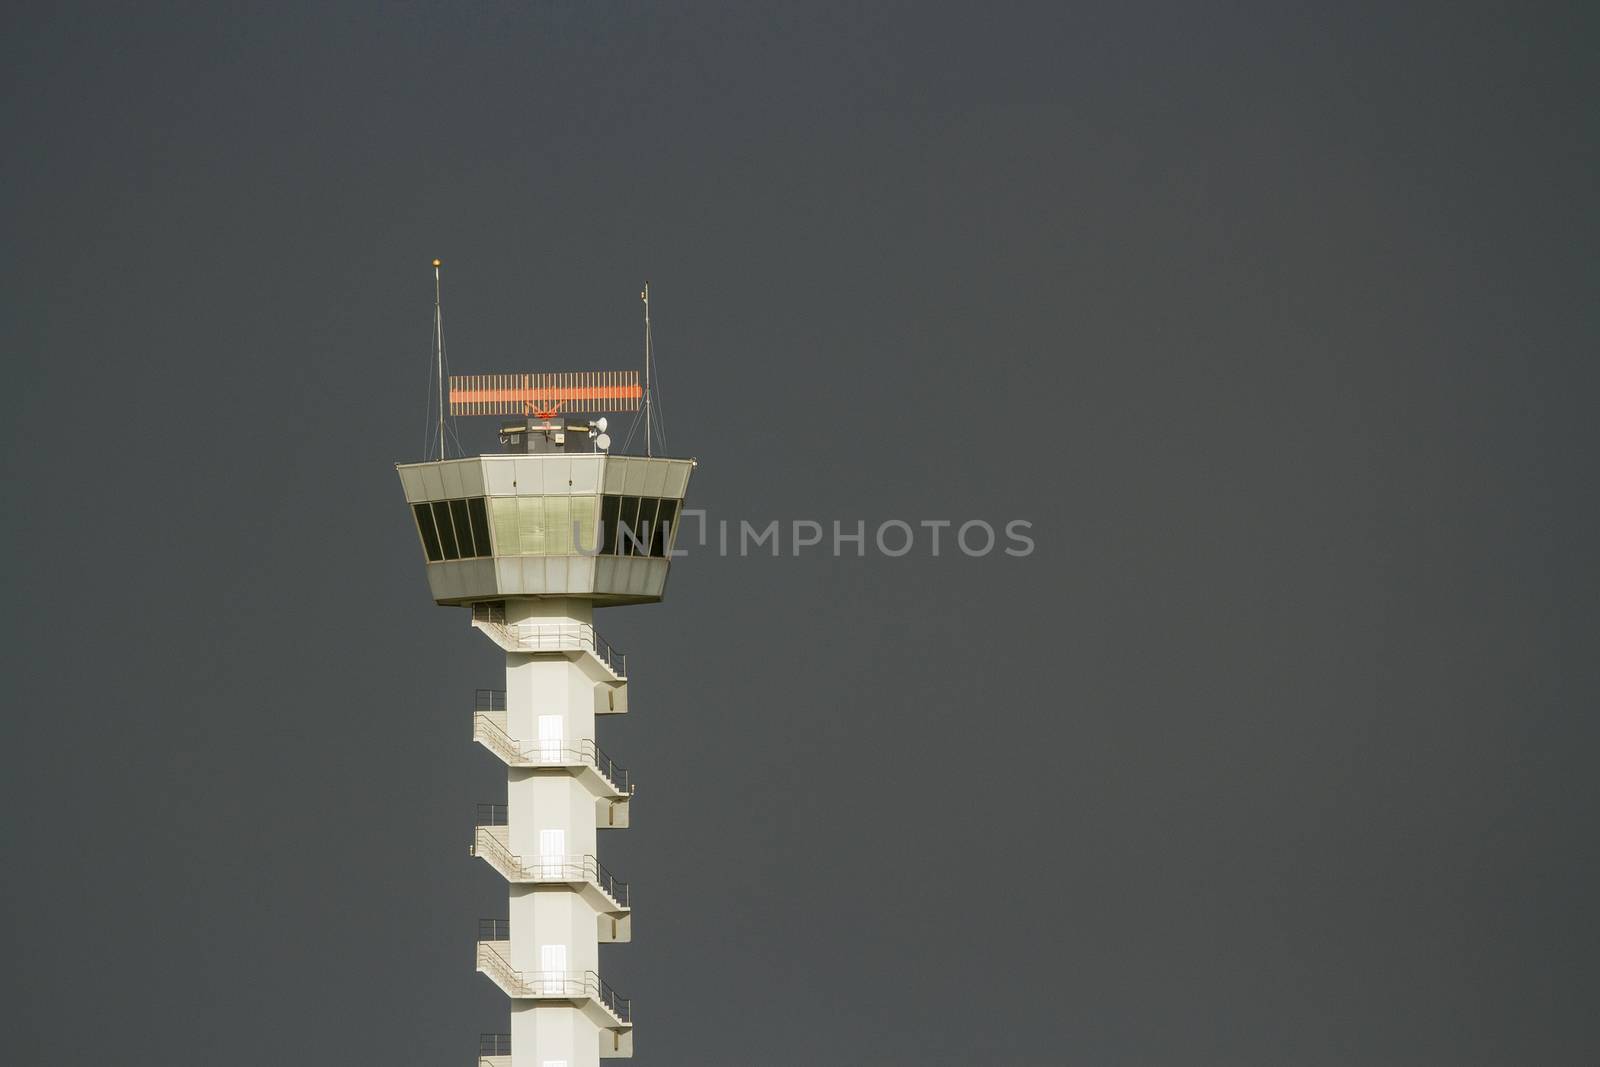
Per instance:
{"type": "Point", "coordinates": [542, 395]}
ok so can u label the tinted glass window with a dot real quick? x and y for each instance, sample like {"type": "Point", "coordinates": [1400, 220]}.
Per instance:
{"type": "Point", "coordinates": [458, 513]}
{"type": "Point", "coordinates": [663, 532]}
{"type": "Point", "coordinates": [610, 507]}
{"type": "Point", "coordinates": [480, 525]}
{"type": "Point", "coordinates": [627, 524]}
{"type": "Point", "coordinates": [430, 539]}
{"type": "Point", "coordinates": [447, 537]}
{"type": "Point", "coordinates": [647, 520]}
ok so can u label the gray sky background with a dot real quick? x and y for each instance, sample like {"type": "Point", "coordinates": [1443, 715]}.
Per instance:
{"type": "Point", "coordinates": [1277, 321]}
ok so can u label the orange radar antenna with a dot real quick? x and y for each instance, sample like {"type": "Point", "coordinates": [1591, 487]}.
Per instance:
{"type": "Point", "coordinates": [542, 395]}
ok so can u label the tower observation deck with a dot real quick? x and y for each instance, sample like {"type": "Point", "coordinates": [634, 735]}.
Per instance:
{"type": "Point", "coordinates": [532, 542]}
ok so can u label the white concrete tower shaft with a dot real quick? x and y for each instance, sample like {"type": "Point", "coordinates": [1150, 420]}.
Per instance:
{"type": "Point", "coordinates": [561, 790]}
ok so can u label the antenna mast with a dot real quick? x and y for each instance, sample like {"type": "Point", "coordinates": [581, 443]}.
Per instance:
{"type": "Point", "coordinates": [438, 350]}
{"type": "Point", "coordinates": [645, 296]}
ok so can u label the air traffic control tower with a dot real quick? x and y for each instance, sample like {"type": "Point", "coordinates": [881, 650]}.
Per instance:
{"type": "Point", "coordinates": [531, 542]}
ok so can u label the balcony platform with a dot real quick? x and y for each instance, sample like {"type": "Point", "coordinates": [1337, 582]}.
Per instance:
{"type": "Point", "coordinates": [610, 898]}
{"type": "Point", "coordinates": [603, 775]}
{"type": "Point", "coordinates": [610, 784]}
{"type": "Point", "coordinates": [577, 641]}
{"type": "Point", "coordinates": [582, 990]}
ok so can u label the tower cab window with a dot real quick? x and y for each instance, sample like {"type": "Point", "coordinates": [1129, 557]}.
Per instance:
{"type": "Point", "coordinates": [453, 529]}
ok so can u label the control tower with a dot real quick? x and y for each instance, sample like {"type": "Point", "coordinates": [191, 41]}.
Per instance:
{"type": "Point", "coordinates": [531, 542]}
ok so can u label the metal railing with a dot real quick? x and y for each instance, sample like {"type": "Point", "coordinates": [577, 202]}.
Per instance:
{"type": "Point", "coordinates": [620, 1006]}
{"type": "Point", "coordinates": [491, 815]}
{"type": "Point", "coordinates": [489, 700]}
{"type": "Point", "coordinates": [609, 769]}
{"type": "Point", "coordinates": [552, 983]}
{"type": "Point", "coordinates": [496, 966]}
{"type": "Point", "coordinates": [596, 872]}
{"type": "Point", "coordinates": [494, 929]}
{"type": "Point", "coordinates": [551, 868]}
{"type": "Point", "coordinates": [550, 753]}
{"type": "Point", "coordinates": [548, 636]}
{"type": "Point", "coordinates": [494, 1045]}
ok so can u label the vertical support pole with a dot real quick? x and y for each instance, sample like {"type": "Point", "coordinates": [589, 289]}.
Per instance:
{"type": "Point", "coordinates": [438, 350]}
{"type": "Point", "coordinates": [645, 296]}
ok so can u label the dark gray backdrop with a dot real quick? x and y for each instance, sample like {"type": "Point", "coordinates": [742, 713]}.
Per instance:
{"type": "Point", "coordinates": [1278, 325]}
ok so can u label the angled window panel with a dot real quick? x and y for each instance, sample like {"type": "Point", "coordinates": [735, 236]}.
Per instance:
{"type": "Point", "coordinates": [430, 536]}
{"type": "Point", "coordinates": [627, 525]}
{"type": "Point", "coordinates": [447, 536]}
{"type": "Point", "coordinates": [463, 525]}
{"type": "Point", "coordinates": [480, 526]}
{"type": "Point", "coordinates": [666, 527]}
{"type": "Point", "coordinates": [610, 510]}
{"type": "Point", "coordinates": [647, 522]}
